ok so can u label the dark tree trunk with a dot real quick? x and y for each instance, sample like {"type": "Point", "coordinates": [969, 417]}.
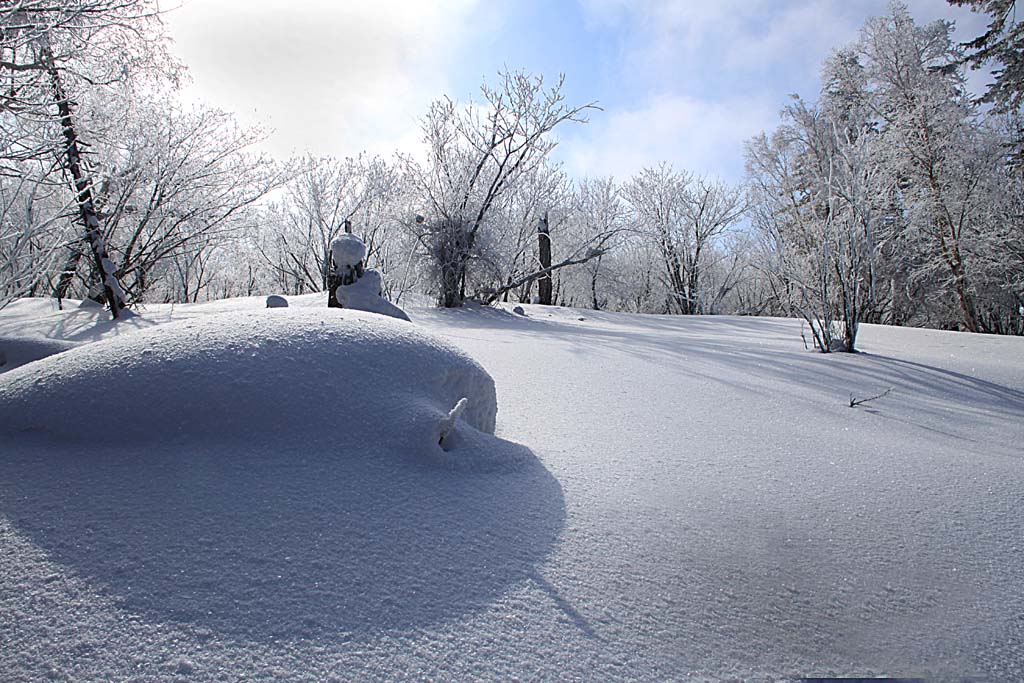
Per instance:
{"type": "Point", "coordinates": [67, 275]}
{"type": "Point", "coordinates": [596, 303]}
{"type": "Point", "coordinates": [83, 187]}
{"type": "Point", "coordinates": [544, 255]}
{"type": "Point", "coordinates": [333, 282]}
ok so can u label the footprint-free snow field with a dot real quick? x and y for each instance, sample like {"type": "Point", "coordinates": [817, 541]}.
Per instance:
{"type": "Point", "coordinates": [226, 492]}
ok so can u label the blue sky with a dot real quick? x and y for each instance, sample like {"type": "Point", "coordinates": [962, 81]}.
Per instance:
{"type": "Point", "coordinates": [679, 81]}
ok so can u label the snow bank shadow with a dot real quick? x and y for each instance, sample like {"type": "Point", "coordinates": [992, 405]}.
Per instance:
{"type": "Point", "coordinates": [284, 543]}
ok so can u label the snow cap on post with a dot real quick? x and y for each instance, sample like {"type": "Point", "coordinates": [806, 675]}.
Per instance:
{"type": "Point", "coordinates": [347, 250]}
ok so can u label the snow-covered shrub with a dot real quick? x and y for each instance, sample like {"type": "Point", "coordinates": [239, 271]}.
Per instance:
{"type": "Point", "coordinates": [449, 248]}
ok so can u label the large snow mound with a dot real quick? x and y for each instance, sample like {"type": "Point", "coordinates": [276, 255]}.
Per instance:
{"type": "Point", "coordinates": [269, 474]}
{"type": "Point", "coordinates": [345, 376]}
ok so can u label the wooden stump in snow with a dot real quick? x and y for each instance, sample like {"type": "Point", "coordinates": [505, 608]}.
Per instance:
{"type": "Point", "coordinates": [345, 267]}
{"type": "Point", "coordinates": [350, 285]}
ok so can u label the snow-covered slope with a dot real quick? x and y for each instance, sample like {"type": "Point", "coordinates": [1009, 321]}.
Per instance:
{"type": "Point", "coordinates": [698, 502]}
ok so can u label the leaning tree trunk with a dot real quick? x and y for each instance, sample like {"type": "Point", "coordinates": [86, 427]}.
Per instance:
{"type": "Point", "coordinates": [544, 255]}
{"type": "Point", "coordinates": [112, 290]}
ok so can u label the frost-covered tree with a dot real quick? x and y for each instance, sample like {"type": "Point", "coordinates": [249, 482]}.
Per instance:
{"type": "Point", "coordinates": [175, 185]}
{"type": "Point", "coordinates": [477, 153]}
{"type": "Point", "coordinates": [1000, 46]}
{"type": "Point", "coordinates": [814, 185]}
{"type": "Point", "coordinates": [599, 209]}
{"type": "Point", "coordinates": [684, 216]}
{"type": "Point", "coordinates": [34, 210]}
{"type": "Point", "coordinates": [51, 55]}
{"type": "Point", "coordinates": [327, 198]}
{"type": "Point", "coordinates": [887, 199]}
{"type": "Point", "coordinates": [535, 235]}
{"type": "Point", "coordinates": [939, 152]}
{"type": "Point", "coordinates": [818, 188]}
{"type": "Point", "coordinates": [656, 197]}
{"type": "Point", "coordinates": [508, 249]}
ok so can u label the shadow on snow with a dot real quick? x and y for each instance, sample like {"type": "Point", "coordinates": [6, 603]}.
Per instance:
{"type": "Point", "coordinates": [286, 542]}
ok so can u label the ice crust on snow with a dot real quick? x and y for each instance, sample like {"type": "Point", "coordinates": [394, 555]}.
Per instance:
{"type": "Point", "coordinates": [367, 377]}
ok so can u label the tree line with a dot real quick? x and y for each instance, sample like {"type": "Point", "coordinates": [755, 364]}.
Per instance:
{"type": "Point", "coordinates": [893, 197]}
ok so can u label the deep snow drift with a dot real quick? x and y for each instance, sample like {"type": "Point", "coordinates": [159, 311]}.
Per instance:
{"type": "Point", "coordinates": [251, 474]}
{"type": "Point", "coordinates": [700, 503]}
{"type": "Point", "coordinates": [358, 377]}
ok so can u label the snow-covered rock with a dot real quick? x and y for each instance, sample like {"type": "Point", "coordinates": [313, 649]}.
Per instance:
{"type": "Point", "coordinates": [349, 376]}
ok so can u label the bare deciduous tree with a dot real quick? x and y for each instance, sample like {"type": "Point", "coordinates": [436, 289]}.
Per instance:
{"type": "Point", "coordinates": [324, 196]}
{"type": "Point", "coordinates": [477, 153]}
{"type": "Point", "coordinates": [685, 216]}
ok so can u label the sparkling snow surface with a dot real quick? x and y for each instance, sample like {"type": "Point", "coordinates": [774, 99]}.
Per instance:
{"type": "Point", "coordinates": [693, 499]}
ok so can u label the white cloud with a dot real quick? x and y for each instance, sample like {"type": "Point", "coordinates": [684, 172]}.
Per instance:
{"type": "Point", "coordinates": [749, 35]}
{"type": "Point", "coordinates": [698, 136]}
{"type": "Point", "coordinates": [722, 71]}
{"type": "Point", "coordinates": [688, 81]}
{"type": "Point", "coordinates": [333, 77]}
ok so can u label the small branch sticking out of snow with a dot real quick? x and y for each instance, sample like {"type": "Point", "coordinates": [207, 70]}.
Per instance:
{"type": "Point", "coordinates": [446, 428]}
{"type": "Point", "coordinates": [854, 401]}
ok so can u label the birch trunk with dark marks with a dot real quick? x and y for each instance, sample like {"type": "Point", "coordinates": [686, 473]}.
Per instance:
{"type": "Point", "coordinates": [112, 291]}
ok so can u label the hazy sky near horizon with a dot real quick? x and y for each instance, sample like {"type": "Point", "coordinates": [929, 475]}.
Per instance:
{"type": "Point", "coordinates": [681, 81]}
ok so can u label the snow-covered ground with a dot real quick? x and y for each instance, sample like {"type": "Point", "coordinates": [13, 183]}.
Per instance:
{"type": "Point", "coordinates": [675, 499]}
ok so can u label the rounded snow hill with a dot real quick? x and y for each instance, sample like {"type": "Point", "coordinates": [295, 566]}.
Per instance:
{"type": "Point", "coordinates": [274, 475]}
{"type": "Point", "coordinates": [344, 377]}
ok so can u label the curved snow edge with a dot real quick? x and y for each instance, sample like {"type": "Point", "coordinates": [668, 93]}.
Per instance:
{"type": "Point", "coordinates": [317, 374]}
